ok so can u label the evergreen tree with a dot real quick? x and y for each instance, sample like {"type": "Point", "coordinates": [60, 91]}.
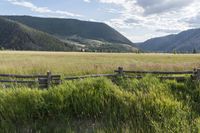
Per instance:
{"type": "Point", "coordinates": [174, 51]}
{"type": "Point", "coordinates": [194, 51]}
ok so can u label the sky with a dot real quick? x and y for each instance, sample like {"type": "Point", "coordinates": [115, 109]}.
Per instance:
{"type": "Point", "coordinates": [138, 20]}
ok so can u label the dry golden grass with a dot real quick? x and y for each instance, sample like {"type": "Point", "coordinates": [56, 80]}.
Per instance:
{"type": "Point", "coordinates": [71, 63]}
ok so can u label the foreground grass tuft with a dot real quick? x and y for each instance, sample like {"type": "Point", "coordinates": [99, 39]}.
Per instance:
{"type": "Point", "coordinates": [99, 105]}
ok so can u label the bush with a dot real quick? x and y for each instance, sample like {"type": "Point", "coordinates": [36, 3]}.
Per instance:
{"type": "Point", "coordinates": [146, 105]}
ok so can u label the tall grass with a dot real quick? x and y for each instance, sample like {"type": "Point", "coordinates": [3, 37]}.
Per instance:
{"type": "Point", "coordinates": [99, 105]}
{"type": "Point", "coordinates": [86, 63]}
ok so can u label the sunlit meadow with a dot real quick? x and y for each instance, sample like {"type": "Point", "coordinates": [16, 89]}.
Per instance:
{"type": "Point", "coordinates": [70, 63]}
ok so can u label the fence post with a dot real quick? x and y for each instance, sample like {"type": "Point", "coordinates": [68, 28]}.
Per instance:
{"type": "Point", "coordinates": [193, 76]}
{"type": "Point", "coordinates": [198, 74]}
{"type": "Point", "coordinates": [48, 79]}
{"type": "Point", "coordinates": [120, 71]}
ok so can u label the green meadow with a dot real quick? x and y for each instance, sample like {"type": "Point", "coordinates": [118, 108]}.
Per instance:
{"type": "Point", "coordinates": [70, 63]}
{"type": "Point", "coordinates": [100, 105]}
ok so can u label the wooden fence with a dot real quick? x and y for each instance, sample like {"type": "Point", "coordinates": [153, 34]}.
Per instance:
{"type": "Point", "coordinates": [179, 75]}
{"type": "Point", "coordinates": [163, 75]}
{"type": "Point", "coordinates": [45, 81]}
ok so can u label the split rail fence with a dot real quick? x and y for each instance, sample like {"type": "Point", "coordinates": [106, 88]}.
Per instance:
{"type": "Point", "coordinates": [44, 81]}
{"type": "Point", "coordinates": [48, 80]}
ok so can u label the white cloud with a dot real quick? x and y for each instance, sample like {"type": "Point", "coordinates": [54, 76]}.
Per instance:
{"type": "Point", "coordinates": [113, 1]}
{"type": "Point", "coordinates": [154, 17]}
{"type": "Point", "coordinates": [87, 1]}
{"type": "Point", "coordinates": [30, 5]}
{"type": "Point", "coordinates": [38, 9]}
{"type": "Point", "coordinates": [159, 6]}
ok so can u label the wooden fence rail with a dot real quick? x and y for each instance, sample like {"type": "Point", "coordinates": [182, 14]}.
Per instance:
{"type": "Point", "coordinates": [45, 81]}
{"type": "Point", "coordinates": [156, 72]}
{"type": "Point", "coordinates": [18, 81]}
{"type": "Point", "coordinates": [90, 76]}
{"type": "Point", "coordinates": [121, 71]}
{"type": "Point", "coordinates": [195, 74]}
{"type": "Point", "coordinates": [177, 78]}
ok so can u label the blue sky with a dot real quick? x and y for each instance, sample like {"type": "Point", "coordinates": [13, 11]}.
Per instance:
{"type": "Point", "coordinates": [138, 20]}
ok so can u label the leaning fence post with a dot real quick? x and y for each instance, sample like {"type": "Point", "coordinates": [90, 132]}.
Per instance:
{"type": "Point", "coordinates": [198, 74]}
{"type": "Point", "coordinates": [120, 71]}
{"type": "Point", "coordinates": [194, 75]}
{"type": "Point", "coordinates": [48, 79]}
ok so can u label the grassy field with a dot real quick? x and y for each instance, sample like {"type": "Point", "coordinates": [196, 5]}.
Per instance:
{"type": "Point", "coordinates": [99, 104]}
{"type": "Point", "coordinates": [85, 63]}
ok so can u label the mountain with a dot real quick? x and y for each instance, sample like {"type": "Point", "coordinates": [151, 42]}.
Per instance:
{"type": "Point", "coordinates": [186, 41]}
{"type": "Point", "coordinates": [71, 27]}
{"type": "Point", "coordinates": [14, 35]}
{"type": "Point", "coordinates": [91, 36]}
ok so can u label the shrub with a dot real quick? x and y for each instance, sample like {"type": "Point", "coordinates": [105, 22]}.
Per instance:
{"type": "Point", "coordinates": [146, 105]}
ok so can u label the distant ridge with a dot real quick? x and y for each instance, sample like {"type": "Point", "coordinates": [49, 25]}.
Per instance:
{"type": "Point", "coordinates": [186, 41]}
{"type": "Point", "coordinates": [17, 36]}
{"type": "Point", "coordinates": [70, 27]}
